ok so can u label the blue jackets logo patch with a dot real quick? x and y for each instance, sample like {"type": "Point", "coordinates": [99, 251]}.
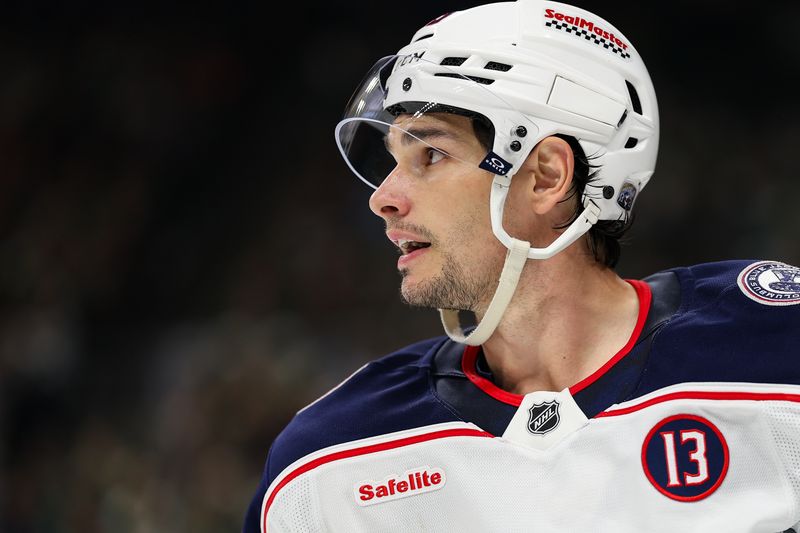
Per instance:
{"type": "Point", "coordinates": [771, 283]}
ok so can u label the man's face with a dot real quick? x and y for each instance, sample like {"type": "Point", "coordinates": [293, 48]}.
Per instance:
{"type": "Point", "coordinates": [436, 207]}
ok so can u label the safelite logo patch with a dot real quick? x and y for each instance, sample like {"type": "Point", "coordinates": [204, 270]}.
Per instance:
{"type": "Point", "coordinates": [771, 283]}
{"type": "Point", "coordinates": [411, 483]}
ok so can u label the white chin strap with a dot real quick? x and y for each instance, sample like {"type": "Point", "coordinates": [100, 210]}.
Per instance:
{"type": "Point", "coordinates": [518, 254]}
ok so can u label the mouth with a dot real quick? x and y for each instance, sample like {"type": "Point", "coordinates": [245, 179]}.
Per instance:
{"type": "Point", "coordinates": [407, 246]}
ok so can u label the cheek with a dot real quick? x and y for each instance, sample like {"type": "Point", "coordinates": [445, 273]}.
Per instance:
{"type": "Point", "coordinates": [470, 236]}
{"type": "Point", "coordinates": [514, 214]}
{"type": "Point", "coordinates": [468, 226]}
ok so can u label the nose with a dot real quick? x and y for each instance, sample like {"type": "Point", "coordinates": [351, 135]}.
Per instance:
{"type": "Point", "coordinates": [390, 199]}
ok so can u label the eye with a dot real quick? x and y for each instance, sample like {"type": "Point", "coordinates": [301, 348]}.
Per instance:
{"type": "Point", "coordinates": [435, 156]}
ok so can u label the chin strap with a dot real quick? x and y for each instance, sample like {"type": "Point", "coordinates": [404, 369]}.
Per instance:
{"type": "Point", "coordinates": [518, 254]}
{"type": "Point", "coordinates": [516, 258]}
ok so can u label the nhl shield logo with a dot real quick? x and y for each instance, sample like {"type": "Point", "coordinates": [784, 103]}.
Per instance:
{"type": "Point", "coordinates": [544, 417]}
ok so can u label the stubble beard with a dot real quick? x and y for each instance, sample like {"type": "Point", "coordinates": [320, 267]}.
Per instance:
{"type": "Point", "coordinates": [452, 288]}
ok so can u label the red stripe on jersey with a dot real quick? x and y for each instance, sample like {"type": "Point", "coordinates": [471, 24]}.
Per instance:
{"type": "Point", "coordinates": [704, 395]}
{"type": "Point", "coordinates": [469, 366]}
{"type": "Point", "coordinates": [645, 296]}
{"type": "Point", "coordinates": [363, 450]}
{"type": "Point", "coordinates": [468, 361]}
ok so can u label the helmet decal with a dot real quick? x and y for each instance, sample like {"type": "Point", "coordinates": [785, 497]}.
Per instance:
{"type": "Point", "coordinates": [626, 196]}
{"type": "Point", "coordinates": [495, 164]}
{"type": "Point", "coordinates": [437, 19]}
{"type": "Point", "coordinates": [585, 29]}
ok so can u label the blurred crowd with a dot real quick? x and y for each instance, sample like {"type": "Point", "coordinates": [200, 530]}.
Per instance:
{"type": "Point", "coordinates": [186, 260]}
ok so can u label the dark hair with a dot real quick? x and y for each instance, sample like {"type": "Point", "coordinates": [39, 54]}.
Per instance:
{"type": "Point", "coordinates": [604, 237]}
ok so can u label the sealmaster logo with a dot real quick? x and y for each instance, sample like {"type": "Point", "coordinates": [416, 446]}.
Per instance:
{"type": "Point", "coordinates": [411, 483]}
{"type": "Point", "coordinates": [588, 30]}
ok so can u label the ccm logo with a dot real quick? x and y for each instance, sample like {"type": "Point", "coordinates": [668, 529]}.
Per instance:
{"type": "Point", "coordinates": [412, 482]}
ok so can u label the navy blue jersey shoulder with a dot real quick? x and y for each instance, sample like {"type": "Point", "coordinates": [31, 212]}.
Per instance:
{"type": "Point", "coordinates": [389, 394]}
{"type": "Point", "coordinates": [720, 334]}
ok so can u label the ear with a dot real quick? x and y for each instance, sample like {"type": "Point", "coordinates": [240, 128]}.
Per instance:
{"type": "Point", "coordinates": [551, 164]}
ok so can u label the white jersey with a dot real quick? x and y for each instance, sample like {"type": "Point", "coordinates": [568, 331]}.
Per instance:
{"type": "Point", "coordinates": [694, 427]}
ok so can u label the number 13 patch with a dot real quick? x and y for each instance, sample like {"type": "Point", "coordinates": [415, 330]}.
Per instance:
{"type": "Point", "coordinates": [685, 457]}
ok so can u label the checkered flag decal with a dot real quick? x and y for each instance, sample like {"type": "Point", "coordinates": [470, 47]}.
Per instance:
{"type": "Point", "coordinates": [588, 35]}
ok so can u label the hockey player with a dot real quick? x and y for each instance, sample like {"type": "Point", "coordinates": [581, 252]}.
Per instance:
{"type": "Point", "coordinates": [507, 144]}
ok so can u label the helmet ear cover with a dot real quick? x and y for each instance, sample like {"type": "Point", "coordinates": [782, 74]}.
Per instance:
{"type": "Point", "coordinates": [604, 235]}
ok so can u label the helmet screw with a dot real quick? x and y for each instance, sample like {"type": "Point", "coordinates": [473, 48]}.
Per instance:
{"type": "Point", "coordinates": [516, 145]}
{"type": "Point", "coordinates": [521, 131]}
{"type": "Point", "coordinates": [608, 192]}
{"type": "Point", "coordinates": [406, 84]}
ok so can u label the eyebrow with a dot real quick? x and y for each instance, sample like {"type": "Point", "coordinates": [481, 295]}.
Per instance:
{"type": "Point", "coordinates": [421, 134]}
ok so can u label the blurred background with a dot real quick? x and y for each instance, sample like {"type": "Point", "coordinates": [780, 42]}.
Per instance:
{"type": "Point", "coordinates": [186, 260]}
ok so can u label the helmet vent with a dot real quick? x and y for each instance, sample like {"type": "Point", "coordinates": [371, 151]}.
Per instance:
{"type": "Point", "coordinates": [622, 118]}
{"type": "Point", "coordinates": [428, 36]}
{"type": "Point", "coordinates": [476, 79]}
{"type": "Point", "coordinates": [494, 65]}
{"type": "Point", "coordinates": [631, 142]}
{"type": "Point", "coordinates": [637, 105]}
{"type": "Point", "coordinates": [453, 61]}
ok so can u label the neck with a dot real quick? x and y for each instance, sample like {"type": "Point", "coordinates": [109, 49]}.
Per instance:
{"type": "Point", "coordinates": [567, 318]}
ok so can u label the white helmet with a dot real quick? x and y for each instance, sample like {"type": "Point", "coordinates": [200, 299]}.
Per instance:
{"type": "Point", "coordinates": [531, 69]}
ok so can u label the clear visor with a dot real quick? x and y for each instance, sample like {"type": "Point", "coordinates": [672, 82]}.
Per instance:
{"type": "Point", "coordinates": [416, 147]}
{"type": "Point", "coordinates": [388, 127]}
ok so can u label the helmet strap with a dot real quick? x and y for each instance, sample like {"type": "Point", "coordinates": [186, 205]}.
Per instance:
{"type": "Point", "coordinates": [516, 257]}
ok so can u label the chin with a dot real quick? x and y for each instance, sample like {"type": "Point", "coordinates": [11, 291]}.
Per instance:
{"type": "Point", "coordinates": [425, 293]}
{"type": "Point", "coordinates": [411, 292]}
